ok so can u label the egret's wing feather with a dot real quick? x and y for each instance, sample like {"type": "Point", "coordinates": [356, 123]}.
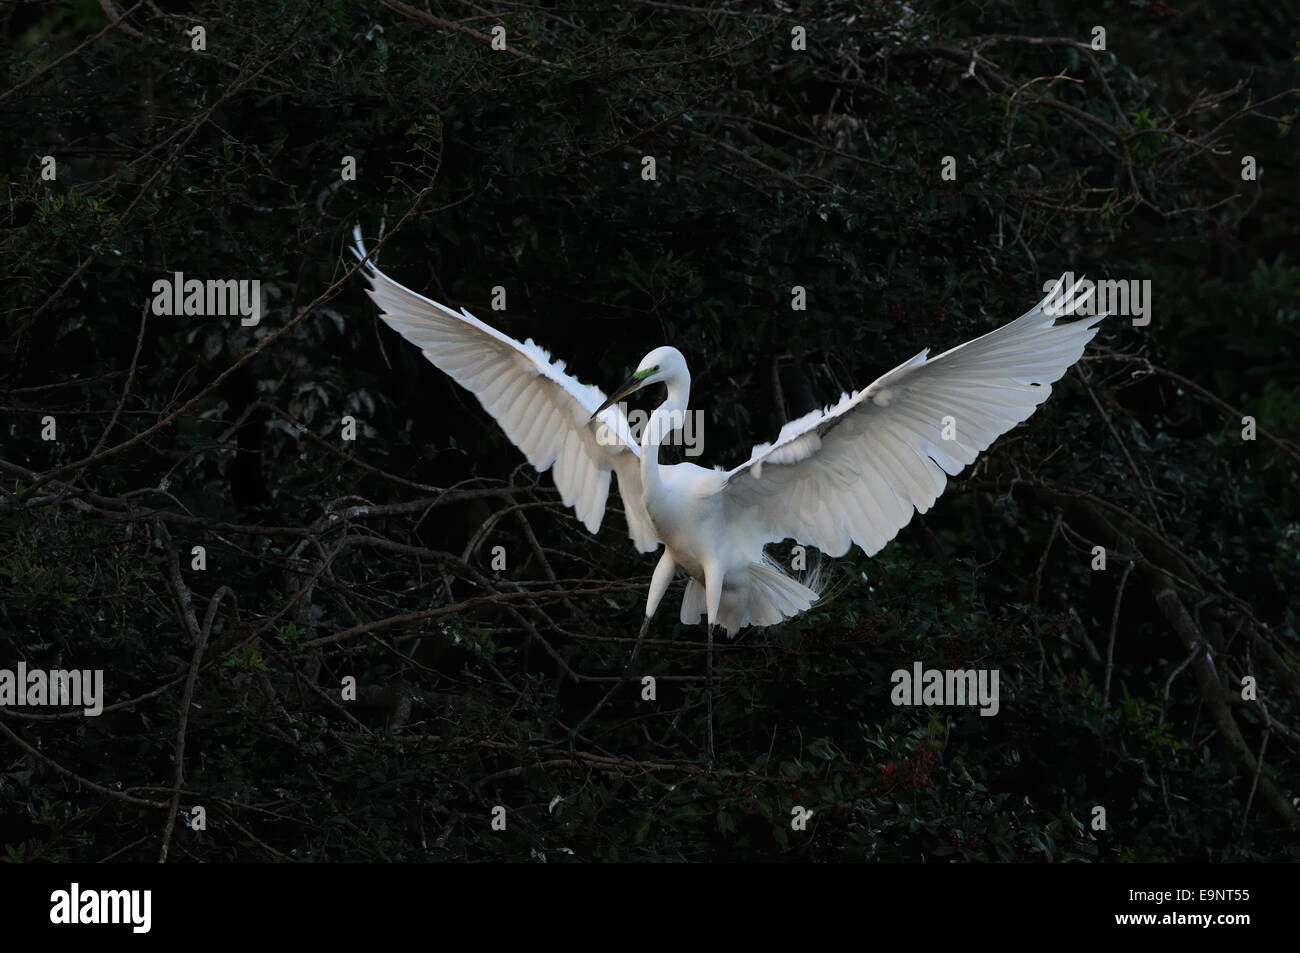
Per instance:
{"type": "Point", "coordinates": [544, 411]}
{"type": "Point", "coordinates": [855, 472]}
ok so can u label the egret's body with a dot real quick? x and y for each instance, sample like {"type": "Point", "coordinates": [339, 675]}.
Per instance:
{"type": "Point", "coordinates": [731, 580]}
{"type": "Point", "coordinates": [850, 474]}
{"type": "Point", "coordinates": [685, 506]}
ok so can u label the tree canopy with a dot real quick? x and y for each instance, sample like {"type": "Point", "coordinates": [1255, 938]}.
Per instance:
{"type": "Point", "coordinates": [604, 179]}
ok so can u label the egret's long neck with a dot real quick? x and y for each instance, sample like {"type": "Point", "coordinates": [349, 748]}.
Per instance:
{"type": "Point", "coordinates": [668, 416]}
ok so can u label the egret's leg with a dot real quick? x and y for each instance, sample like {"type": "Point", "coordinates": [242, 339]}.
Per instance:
{"type": "Point", "coordinates": [708, 704]}
{"type": "Point", "coordinates": [636, 647]}
{"type": "Point", "coordinates": [663, 575]}
{"type": "Point", "coordinates": [712, 599]}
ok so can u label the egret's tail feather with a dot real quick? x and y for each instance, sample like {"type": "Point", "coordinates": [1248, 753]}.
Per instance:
{"type": "Point", "coordinates": [766, 595]}
{"type": "Point", "coordinates": [774, 594]}
{"type": "Point", "coordinates": [693, 604]}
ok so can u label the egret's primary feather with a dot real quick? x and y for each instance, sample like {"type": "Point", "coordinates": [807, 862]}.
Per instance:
{"type": "Point", "coordinates": [543, 410]}
{"type": "Point", "coordinates": [854, 473]}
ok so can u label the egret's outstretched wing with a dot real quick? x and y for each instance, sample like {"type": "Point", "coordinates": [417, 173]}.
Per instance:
{"type": "Point", "coordinates": [853, 473]}
{"type": "Point", "coordinates": [543, 410]}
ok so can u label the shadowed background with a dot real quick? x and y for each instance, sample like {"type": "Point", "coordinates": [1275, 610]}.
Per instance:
{"type": "Point", "coordinates": [522, 168]}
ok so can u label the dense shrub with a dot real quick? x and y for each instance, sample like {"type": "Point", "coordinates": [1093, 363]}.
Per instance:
{"type": "Point", "coordinates": [522, 168]}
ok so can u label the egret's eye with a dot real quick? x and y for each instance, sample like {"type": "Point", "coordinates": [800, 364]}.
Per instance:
{"type": "Point", "coordinates": [642, 375]}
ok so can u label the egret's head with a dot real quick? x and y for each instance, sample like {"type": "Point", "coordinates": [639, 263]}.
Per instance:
{"type": "Point", "coordinates": [662, 364]}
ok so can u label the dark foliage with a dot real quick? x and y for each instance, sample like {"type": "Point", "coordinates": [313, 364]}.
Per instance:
{"type": "Point", "coordinates": [522, 168]}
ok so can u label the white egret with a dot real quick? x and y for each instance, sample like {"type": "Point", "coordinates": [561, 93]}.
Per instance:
{"type": "Point", "coordinates": [852, 473]}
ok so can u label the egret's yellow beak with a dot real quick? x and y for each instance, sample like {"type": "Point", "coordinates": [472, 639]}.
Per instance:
{"type": "Point", "coordinates": [630, 386]}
